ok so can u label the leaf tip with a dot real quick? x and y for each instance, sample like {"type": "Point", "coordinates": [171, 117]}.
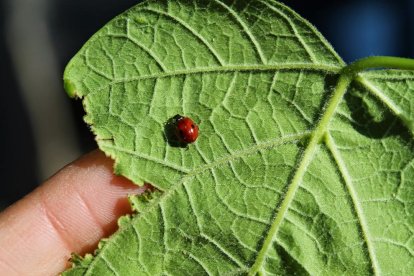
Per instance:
{"type": "Point", "coordinates": [70, 88]}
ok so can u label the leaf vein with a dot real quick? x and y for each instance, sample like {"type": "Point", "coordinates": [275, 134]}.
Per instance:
{"type": "Point", "coordinates": [292, 187]}
{"type": "Point", "coordinates": [192, 31]}
{"type": "Point", "coordinates": [293, 28]}
{"type": "Point", "coordinates": [231, 209]}
{"type": "Point", "coordinates": [397, 244]}
{"type": "Point", "coordinates": [139, 240]}
{"type": "Point", "coordinates": [224, 69]}
{"type": "Point", "coordinates": [109, 265]}
{"type": "Point", "coordinates": [314, 30]}
{"type": "Point", "coordinates": [104, 144]}
{"type": "Point", "coordinates": [93, 68]}
{"type": "Point", "coordinates": [163, 231]}
{"type": "Point", "coordinates": [238, 154]}
{"type": "Point", "coordinates": [330, 143]}
{"type": "Point", "coordinates": [223, 250]}
{"type": "Point", "coordinates": [246, 30]}
{"type": "Point", "coordinates": [145, 49]}
{"type": "Point", "coordinates": [195, 259]}
{"type": "Point", "coordinates": [190, 201]}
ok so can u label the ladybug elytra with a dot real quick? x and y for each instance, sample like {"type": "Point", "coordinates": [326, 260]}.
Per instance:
{"type": "Point", "coordinates": [186, 130]}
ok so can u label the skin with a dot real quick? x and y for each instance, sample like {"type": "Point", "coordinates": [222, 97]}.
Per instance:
{"type": "Point", "coordinates": [70, 212]}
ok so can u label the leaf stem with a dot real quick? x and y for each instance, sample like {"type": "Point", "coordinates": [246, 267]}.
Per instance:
{"type": "Point", "coordinates": [378, 62]}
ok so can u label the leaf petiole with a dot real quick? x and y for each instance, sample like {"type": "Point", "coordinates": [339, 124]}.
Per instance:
{"type": "Point", "coordinates": [378, 62]}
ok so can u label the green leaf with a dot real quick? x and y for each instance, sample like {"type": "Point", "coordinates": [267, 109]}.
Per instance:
{"type": "Point", "coordinates": [287, 175]}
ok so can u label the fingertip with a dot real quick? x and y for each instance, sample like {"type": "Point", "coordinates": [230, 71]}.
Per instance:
{"type": "Point", "coordinates": [70, 212]}
{"type": "Point", "coordinates": [94, 198]}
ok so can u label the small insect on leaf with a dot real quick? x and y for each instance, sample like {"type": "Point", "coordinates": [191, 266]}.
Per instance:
{"type": "Point", "coordinates": [186, 130]}
{"type": "Point", "coordinates": [180, 131]}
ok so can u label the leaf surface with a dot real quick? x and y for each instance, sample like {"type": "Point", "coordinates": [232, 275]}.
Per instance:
{"type": "Point", "coordinates": [257, 193]}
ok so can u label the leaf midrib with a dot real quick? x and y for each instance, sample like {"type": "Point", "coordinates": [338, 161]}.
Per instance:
{"type": "Point", "coordinates": [317, 135]}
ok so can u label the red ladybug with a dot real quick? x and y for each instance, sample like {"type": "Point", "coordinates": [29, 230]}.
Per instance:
{"type": "Point", "coordinates": [186, 130]}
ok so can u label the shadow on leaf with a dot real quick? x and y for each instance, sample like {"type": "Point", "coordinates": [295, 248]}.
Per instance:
{"type": "Point", "coordinates": [370, 117]}
{"type": "Point", "coordinates": [170, 133]}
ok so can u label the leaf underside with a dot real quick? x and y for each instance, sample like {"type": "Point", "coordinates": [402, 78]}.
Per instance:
{"type": "Point", "coordinates": [252, 194]}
